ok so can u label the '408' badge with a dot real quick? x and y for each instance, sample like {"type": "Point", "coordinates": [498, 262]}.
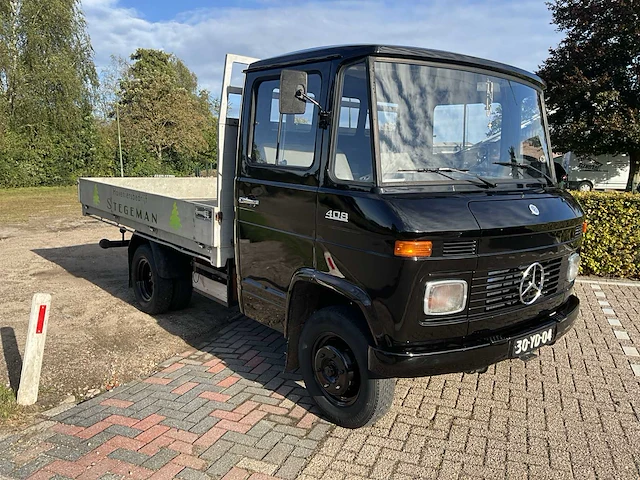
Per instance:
{"type": "Point", "coordinates": [337, 215]}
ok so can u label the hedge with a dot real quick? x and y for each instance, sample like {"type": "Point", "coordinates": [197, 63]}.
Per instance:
{"type": "Point", "coordinates": [611, 246]}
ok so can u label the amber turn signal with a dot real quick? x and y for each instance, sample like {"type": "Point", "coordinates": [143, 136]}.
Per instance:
{"type": "Point", "coordinates": [413, 249]}
{"type": "Point", "coordinates": [584, 227]}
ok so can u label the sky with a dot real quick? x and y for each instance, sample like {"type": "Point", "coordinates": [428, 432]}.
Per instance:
{"type": "Point", "coordinates": [201, 32]}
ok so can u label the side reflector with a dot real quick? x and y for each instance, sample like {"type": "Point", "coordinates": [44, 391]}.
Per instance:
{"type": "Point", "coordinates": [584, 227]}
{"type": "Point", "coordinates": [413, 249]}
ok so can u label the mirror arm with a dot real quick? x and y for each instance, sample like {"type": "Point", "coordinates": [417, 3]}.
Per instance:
{"type": "Point", "coordinates": [324, 115]}
{"type": "Point", "coordinates": [303, 96]}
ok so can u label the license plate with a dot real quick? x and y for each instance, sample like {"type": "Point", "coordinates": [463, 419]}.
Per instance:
{"type": "Point", "coordinates": [528, 343]}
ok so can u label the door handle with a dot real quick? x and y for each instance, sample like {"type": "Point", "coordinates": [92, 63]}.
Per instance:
{"type": "Point", "coordinates": [249, 201]}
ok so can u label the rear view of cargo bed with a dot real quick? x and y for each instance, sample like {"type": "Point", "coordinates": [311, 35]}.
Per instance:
{"type": "Point", "coordinates": [183, 213]}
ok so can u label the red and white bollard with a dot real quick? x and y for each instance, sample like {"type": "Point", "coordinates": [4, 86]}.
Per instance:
{"type": "Point", "coordinates": [34, 349]}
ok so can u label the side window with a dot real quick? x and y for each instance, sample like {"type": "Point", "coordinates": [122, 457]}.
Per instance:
{"type": "Point", "coordinates": [297, 132]}
{"type": "Point", "coordinates": [353, 160]}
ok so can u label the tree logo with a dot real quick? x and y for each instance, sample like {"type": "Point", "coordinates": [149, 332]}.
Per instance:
{"type": "Point", "coordinates": [96, 196]}
{"type": "Point", "coordinates": [174, 220]}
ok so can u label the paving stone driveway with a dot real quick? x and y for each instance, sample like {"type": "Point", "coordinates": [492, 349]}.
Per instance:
{"type": "Point", "coordinates": [226, 411]}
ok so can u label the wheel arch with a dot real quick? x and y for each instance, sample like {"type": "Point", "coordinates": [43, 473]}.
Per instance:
{"type": "Point", "coordinates": [311, 290]}
{"type": "Point", "coordinates": [169, 262]}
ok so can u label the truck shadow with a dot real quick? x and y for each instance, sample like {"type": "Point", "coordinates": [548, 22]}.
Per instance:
{"type": "Point", "coordinates": [12, 357]}
{"type": "Point", "coordinates": [249, 351]}
{"type": "Point", "coordinates": [108, 270]}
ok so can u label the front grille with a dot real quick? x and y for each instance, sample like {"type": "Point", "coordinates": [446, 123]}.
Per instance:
{"type": "Point", "coordinates": [500, 289]}
{"type": "Point", "coordinates": [459, 247]}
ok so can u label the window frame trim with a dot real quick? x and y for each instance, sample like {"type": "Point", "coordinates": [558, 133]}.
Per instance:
{"type": "Point", "coordinates": [442, 64]}
{"type": "Point", "coordinates": [252, 123]}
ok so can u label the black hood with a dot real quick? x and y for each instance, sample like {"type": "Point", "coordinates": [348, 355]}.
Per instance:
{"type": "Point", "coordinates": [485, 215]}
{"type": "Point", "coordinates": [534, 213]}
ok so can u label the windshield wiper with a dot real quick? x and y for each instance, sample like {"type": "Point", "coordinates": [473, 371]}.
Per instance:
{"type": "Point", "coordinates": [525, 166]}
{"type": "Point", "coordinates": [441, 171]}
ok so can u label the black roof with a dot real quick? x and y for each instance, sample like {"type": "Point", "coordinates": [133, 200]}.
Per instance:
{"type": "Point", "coordinates": [356, 51]}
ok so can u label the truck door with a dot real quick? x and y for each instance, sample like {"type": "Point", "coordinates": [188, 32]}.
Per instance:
{"type": "Point", "coordinates": [276, 190]}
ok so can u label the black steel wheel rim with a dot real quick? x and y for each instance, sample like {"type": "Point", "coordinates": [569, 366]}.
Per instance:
{"type": "Point", "coordinates": [336, 370]}
{"type": "Point", "coordinates": [145, 279]}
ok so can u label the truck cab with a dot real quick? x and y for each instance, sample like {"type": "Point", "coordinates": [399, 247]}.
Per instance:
{"type": "Point", "coordinates": [393, 211]}
{"type": "Point", "coordinates": [411, 195]}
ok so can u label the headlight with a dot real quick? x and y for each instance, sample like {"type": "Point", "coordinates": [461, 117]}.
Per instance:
{"type": "Point", "coordinates": [574, 267]}
{"type": "Point", "coordinates": [445, 296]}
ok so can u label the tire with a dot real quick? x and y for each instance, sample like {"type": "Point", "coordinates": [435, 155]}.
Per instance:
{"type": "Point", "coordinates": [182, 291]}
{"type": "Point", "coordinates": [585, 187]}
{"type": "Point", "coordinates": [337, 331]}
{"type": "Point", "coordinates": [152, 292]}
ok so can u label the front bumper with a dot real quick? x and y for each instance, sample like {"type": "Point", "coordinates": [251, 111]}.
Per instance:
{"type": "Point", "coordinates": [386, 364]}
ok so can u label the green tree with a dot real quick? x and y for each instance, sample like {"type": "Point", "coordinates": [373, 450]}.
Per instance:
{"type": "Point", "coordinates": [47, 79]}
{"type": "Point", "coordinates": [210, 154]}
{"type": "Point", "coordinates": [162, 111]}
{"type": "Point", "coordinates": [107, 92]}
{"type": "Point", "coordinates": [593, 79]}
{"type": "Point", "coordinates": [46, 64]}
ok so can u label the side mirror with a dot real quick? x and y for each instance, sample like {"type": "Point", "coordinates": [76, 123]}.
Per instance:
{"type": "Point", "coordinates": [293, 85]}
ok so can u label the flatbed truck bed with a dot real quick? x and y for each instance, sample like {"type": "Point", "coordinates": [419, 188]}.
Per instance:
{"type": "Point", "coordinates": [183, 213]}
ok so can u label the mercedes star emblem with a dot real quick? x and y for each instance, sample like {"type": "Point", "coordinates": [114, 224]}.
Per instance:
{"type": "Point", "coordinates": [532, 283]}
{"type": "Point", "coordinates": [534, 209]}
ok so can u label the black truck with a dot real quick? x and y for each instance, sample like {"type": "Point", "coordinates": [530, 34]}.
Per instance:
{"type": "Point", "coordinates": [393, 211]}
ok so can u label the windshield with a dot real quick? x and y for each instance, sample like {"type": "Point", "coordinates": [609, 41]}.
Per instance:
{"type": "Point", "coordinates": [435, 120]}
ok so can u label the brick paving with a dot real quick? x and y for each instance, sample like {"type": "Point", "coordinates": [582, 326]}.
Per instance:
{"type": "Point", "coordinates": [226, 410]}
{"type": "Point", "coordinates": [571, 412]}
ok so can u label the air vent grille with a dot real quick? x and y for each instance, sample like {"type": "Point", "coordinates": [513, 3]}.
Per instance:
{"type": "Point", "coordinates": [459, 247]}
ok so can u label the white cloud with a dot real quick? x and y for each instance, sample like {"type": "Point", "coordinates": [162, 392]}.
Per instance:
{"type": "Point", "coordinates": [517, 33]}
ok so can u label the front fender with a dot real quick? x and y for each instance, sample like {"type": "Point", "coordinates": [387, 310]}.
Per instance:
{"type": "Point", "coordinates": [343, 287]}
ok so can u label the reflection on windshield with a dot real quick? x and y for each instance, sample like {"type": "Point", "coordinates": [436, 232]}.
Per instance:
{"type": "Point", "coordinates": [432, 117]}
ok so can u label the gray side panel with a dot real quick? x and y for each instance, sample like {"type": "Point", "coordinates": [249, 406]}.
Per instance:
{"type": "Point", "coordinates": [187, 225]}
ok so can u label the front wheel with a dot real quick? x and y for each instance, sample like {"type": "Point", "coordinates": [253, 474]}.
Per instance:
{"type": "Point", "coordinates": [585, 187]}
{"type": "Point", "coordinates": [333, 359]}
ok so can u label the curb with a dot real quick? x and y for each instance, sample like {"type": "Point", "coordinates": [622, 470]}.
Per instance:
{"type": "Point", "coordinates": [609, 281]}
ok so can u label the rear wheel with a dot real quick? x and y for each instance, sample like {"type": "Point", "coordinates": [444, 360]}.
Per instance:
{"type": "Point", "coordinates": [152, 292]}
{"type": "Point", "coordinates": [333, 360]}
